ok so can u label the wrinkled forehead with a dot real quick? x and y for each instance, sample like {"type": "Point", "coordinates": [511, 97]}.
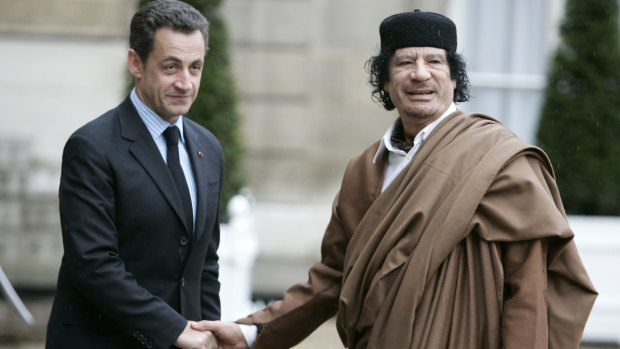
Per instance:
{"type": "Point", "coordinates": [419, 51]}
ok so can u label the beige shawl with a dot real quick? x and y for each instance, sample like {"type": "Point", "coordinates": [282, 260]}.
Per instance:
{"type": "Point", "coordinates": [430, 263]}
{"type": "Point", "coordinates": [414, 277]}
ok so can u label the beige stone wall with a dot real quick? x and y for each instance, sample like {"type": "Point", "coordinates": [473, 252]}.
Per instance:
{"type": "Point", "coordinates": [306, 110]}
{"type": "Point", "coordinates": [305, 106]}
{"type": "Point", "coordinates": [83, 18]}
{"type": "Point", "coordinates": [305, 101]}
{"type": "Point", "coordinates": [299, 67]}
{"type": "Point", "coordinates": [63, 64]}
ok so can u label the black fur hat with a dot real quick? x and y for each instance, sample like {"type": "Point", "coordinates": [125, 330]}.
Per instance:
{"type": "Point", "coordinates": [417, 29]}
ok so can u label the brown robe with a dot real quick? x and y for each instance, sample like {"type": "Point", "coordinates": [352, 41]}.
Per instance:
{"type": "Point", "coordinates": [468, 247]}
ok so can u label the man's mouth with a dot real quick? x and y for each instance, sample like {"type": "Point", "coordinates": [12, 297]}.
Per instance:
{"type": "Point", "coordinates": [180, 97]}
{"type": "Point", "coordinates": [420, 92]}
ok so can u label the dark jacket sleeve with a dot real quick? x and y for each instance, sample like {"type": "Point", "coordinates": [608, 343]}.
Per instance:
{"type": "Point", "coordinates": [91, 242]}
{"type": "Point", "coordinates": [210, 308]}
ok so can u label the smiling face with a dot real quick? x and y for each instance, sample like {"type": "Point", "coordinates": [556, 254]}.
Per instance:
{"type": "Point", "coordinates": [419, 85]}
{"type": "Point", "coordinates": [168, 81]}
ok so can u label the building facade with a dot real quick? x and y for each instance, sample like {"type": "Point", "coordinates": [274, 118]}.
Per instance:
{"type": "Point", "coordinates": [305, 104]}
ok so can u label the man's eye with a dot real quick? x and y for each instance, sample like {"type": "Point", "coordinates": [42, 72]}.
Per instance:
{"type": "Point", "coordinates": [169, 67]}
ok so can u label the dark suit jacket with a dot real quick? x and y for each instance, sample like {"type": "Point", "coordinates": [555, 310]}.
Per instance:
{"type": "Point", "coordinates": [132, 273]}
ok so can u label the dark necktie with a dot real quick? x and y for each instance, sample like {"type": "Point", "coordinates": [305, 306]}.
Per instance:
{"type": "Point", "coordinates": [174, 165]}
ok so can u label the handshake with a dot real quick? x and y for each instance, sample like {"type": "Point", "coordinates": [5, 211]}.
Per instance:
{"type": "Point", "coordinates": [211, 335]}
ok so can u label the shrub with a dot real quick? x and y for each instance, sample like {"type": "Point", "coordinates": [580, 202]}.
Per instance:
{"type": "Point", "coordinates": [580, 122]}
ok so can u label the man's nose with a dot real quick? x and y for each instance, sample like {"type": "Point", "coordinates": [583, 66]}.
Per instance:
{"type": "Point", "coordinates": [420, 72]}
{"type": "Point", "coordinates": [183, 80]}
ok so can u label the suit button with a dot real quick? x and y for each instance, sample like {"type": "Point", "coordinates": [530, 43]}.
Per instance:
{"type": "Point", "coordinates": [182, 282]}
{"type": "Point", "coordinates": [184, 241]}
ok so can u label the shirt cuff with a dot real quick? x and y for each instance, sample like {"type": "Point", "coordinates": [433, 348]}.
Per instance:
{"type": "Point", "coordinates": [249, 333]}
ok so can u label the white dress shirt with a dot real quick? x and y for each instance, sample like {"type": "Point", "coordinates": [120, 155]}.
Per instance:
{"type": "Point", "coordinates": [156, 127]}
{"type": "Point", "coordinates": [399, 159]}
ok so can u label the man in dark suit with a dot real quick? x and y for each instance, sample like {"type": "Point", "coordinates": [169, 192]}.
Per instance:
{"type": "Point", "coordinates": [139, 200]}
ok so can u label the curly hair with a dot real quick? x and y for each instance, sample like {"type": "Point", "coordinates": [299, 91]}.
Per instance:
{"type": "Point", "coordinates": [377, 66]}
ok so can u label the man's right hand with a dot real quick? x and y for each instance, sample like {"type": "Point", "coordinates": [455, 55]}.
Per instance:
{"type": "Point", "coordinates": [229, 335]}
{"type": "Point", "coordinates": [193, 339]}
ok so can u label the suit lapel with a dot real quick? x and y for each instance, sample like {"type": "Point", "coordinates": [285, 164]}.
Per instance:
{"type": "Point", "coordinates": [199, 155]}
{"type": "Point", "coordinates": [145, 151]}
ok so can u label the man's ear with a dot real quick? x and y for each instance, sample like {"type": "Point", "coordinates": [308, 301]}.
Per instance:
{"type": "Point", "coordinates": [134, 63]}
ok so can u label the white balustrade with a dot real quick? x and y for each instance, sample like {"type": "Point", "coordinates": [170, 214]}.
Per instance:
{"type": "Point", "coordinates": [237, 252]}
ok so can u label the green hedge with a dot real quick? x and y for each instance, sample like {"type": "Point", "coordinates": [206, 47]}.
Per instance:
{"type": "Point", "coordinates": [215, 105]}
{"type": "Point", "coordinates": [580, 122]}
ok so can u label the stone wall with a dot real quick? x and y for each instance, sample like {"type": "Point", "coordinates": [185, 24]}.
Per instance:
{"type": "Point", "coordinates": [306, 109]}
{"type": "Point", "coordinates": [30, 243]}
{"type": "Point", "coordinates": [64, 65]}
{"type": "Point", "coordinates": [86, 18]}
{"type": "Point", "coordinates": [305, 103]}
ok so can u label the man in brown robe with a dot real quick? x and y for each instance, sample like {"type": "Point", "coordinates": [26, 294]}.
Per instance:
{"type": "Point", "coordinates": [449, 232]}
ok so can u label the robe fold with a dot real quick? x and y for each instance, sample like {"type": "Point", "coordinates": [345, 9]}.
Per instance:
{"type": "Point", "coordinates": [469, 247]}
